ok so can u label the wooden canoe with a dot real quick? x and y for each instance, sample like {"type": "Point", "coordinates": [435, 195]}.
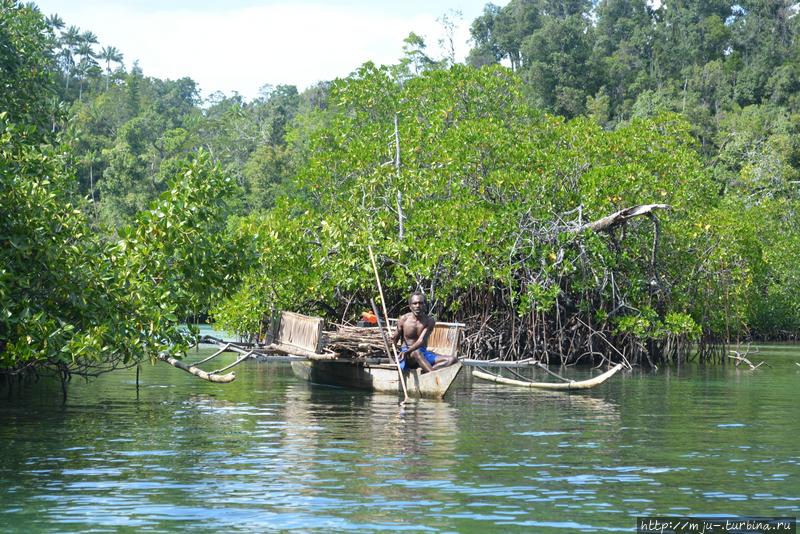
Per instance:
{"type": "Point", "coordinates": [563, 386]}
{"type": "Point", "coordinates": [377, 377]}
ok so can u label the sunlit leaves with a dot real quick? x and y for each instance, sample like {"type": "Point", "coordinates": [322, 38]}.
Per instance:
{"type": "Point", "coordinates": [69, 298]}
{"type": "Point", "coordinates": [484, 184]}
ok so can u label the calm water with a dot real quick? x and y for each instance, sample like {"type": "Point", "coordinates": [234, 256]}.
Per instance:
{"type": "Point", "coordinates": [269, 452]}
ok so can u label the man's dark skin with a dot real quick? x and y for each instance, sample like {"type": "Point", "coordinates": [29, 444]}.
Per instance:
{"type": "Point", "coordinates": [414, 329]}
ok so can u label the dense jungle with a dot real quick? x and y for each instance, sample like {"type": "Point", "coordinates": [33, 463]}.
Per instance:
{"type": "Point", "coordinates": [604, 179]}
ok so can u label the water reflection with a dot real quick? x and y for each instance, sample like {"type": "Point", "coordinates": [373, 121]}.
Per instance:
{"type": "Point", "coordinates": [273, 452]}
{"type": "Point", "coordinates": [368, 436]}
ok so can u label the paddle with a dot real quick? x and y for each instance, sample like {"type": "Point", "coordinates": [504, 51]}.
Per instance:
{"type": "Point", "coordinates": [386, 318]}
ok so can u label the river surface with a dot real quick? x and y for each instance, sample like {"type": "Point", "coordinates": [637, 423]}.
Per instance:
{"type": "Point", "coordinates": [272, 453]}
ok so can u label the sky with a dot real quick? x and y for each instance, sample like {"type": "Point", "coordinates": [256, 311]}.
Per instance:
{"type": "Point", "coordinates": [242, 45]}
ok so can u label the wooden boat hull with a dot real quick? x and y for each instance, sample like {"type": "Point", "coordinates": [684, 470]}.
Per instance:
{"type": "Point", "coordinates": [377, 377]}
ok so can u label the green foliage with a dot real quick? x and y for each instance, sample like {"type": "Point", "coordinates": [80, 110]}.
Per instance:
{"type": "Point", "coordinates": [485, 187]}
{"type": "Point", "coordinates": [731, 70]}
{"type": "Point", "coordinates": [484, 212]}
{"type": "Point", "coordinates": [280, 274]}
{"type": "Point", "coordinates": [179, 244]}
{"type": "Point", "coordinates": [131, 138]}
{"type": "Point", "coordinates": [73, 301]}
{"type": "Point", "coordinates": [265, 174]}
{"type": "Point", "coordinates": [558, 71]}
{"type": "Point", "coordinates": [67, 298]}
{"type": "Point", "coordinates": [760, 152]}
{"type": "Point", "coordinates": [746, 280]}
{"type": "Point", "coordinates": [647, 325]}
{"type": "Point", "coordinates": [250, 141]}
{"type": "Point", "coordinates": [134, 148]}
{"type": "Point", "coordinates": [46, 282]}
{"type": "Point", "coordinates": [26, 66]}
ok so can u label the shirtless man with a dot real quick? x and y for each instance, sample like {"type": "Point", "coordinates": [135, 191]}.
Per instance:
{"type": "Point", "coordinates": [414, 329]}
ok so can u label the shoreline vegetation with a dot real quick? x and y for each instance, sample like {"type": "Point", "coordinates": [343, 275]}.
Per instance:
{"type": "Point", "coordinates": [627, 191]}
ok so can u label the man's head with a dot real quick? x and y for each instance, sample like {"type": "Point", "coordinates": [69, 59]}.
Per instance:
{"type": "Point", "coordinates": [417, 304]}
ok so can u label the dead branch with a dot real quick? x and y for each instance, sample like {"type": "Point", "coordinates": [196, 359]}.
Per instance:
{"type": "Point", "coordinates": [615, 219]}
{"type": "Point", "coordinates": [291, 350]}
{"type": "Point", "coordinates": [599, 334]}
{"type": "Point", "coordinates": [742, 358]}
{"type": "Point", "coordinates": [354, 339]}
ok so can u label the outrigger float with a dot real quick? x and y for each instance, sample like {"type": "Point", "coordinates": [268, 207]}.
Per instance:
{"type": "Point", "coordinates": [355, 357]}
{"type": "Point", "coordinates": [566, 385]}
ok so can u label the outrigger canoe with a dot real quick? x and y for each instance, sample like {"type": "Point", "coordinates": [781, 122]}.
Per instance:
{"type": "Point", "coordinates": [300, 339]}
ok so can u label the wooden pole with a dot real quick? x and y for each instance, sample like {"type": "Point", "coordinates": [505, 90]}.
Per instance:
{"type": "Point", "coordinates": [220, 351]}
{"type": "Point", "coordinates": [384, 335]}
{"type": "Point", "coordinates": [386, 318]}
{"type": "Point", "coordinates": [237, 362]}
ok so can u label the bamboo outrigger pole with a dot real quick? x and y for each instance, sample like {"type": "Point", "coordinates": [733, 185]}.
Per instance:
{"type": "Point", "coordinates": [386, 319]}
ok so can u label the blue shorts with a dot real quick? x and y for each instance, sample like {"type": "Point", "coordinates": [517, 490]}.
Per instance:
{"type": "Point", "coordinates": [430, 356]}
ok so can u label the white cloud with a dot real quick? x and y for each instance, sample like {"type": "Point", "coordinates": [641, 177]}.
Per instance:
{"type": "Point", "coordinates": [243, 49]}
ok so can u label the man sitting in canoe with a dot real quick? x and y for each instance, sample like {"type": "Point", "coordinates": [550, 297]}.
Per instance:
{"type": "Point", "coordinates": [414, 329]}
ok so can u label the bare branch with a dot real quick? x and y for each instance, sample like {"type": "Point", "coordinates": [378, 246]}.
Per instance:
{"type": "Point", "coordinates": [742, 358]}
{"type": "Point", "coordinates": [615, 219]}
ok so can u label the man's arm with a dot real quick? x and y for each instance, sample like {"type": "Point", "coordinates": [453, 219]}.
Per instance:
{"type": "Point", "coordinates": [398, 330]}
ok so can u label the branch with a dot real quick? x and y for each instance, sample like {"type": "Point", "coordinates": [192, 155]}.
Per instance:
{"type": "Point", "coordinates": [400, 215]}
{"type": "Point", "coordinates": [615, 219]}
{"type": "Point", "coordinates": [742, 358]}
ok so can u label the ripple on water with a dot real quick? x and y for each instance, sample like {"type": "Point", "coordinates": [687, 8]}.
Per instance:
{"type": "Point", "coordinates": [271, 452]}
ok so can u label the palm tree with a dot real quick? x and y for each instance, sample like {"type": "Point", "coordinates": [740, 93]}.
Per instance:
{"type": "Point", "coordinates": [69, 41]}
{"type": "Point", "coordinates": [54, 22]}
{"type": "Point", "coordinates": [86, 63]}
{"type": "Point", "coordinates": [71, 37]}
{"type": "Point", "coordinates": [58, 110]}
{"type": "Point", "coordinates": [53, 26]}
{"type": "Point", "coordinates": [110, 54]}
{"type": "Point", "coordinates": [89, 38]}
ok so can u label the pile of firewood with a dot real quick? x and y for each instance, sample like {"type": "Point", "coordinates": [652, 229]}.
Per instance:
{"type": "Point", "coordinates": [355, 341]}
